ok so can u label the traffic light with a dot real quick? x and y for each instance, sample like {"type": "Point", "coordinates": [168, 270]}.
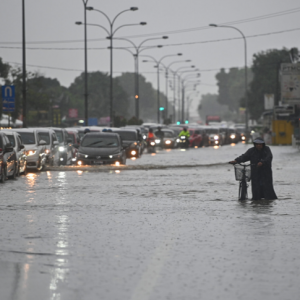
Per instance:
{"type": "Point", "coordinates": [186, 121]}
{"type": "Point", "coordinates": [161, 108]}
{"type": "Point", "coordinates": [136, 96]}
{"type": "Point", "coordinates": [178, 122]}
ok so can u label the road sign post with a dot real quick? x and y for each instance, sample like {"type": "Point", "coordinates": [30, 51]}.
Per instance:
{"type": "Point", "coordinates": [8, 98]}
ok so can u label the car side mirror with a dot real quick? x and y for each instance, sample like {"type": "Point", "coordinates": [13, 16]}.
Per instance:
{"type": "Point", "coordinates": [55, 143]}
{"type": "Point", "coordinates": [42, 143]}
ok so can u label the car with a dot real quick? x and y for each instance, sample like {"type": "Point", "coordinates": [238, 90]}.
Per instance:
{"type": "Point", "coordinates": [19, 148]}
{"type": "Point", "coordinates": [131, 140]}
{"type": "Point", "coordinates": [73, 139]}
{"type": "Point", "coordinates": [233, 136]}
{"type": "Point", "coordinates": [9, 164]}
{"type": "Point", "coordinates": [98, 148]}
{"type": "Point", "coordinates": [195, 137]}
{"type": "Point", "coordinates": [64, 147]}
{"type": "Point", "coordinates": [35, 148]}
{"type": "Point", "coordinates": [170, 138]}
{"type": "Point", "coordinates": [214, 136]}
{"type": "Point", "coordinates": [51, 148]}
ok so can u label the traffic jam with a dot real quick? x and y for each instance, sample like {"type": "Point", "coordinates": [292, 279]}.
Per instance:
{"type": "Point", "coordinates": [25, 150]}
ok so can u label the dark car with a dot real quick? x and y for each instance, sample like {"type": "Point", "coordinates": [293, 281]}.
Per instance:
{"type": "Point", "coordinates": [131, 140]}
{"type": "Point", "coordinates": [9, 164]}
{"type": "Point", "coordinates": [101, 148]}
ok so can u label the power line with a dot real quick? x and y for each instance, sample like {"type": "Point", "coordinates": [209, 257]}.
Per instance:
{"type": "Point", "coordinates": [252, 19]}
{"type": "Point", "coordinates": [167, 45]}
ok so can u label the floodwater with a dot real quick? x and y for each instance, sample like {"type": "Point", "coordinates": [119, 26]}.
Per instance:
{"type": "Point", "coordinates": [171, 228]}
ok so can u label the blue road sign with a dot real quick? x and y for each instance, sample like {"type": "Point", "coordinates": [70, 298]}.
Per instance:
{"type": "Point", "coordinates": [8, 98]}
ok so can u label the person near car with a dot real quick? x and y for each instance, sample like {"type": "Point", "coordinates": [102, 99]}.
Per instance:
{"type": "Point", "coordinates": [151, 136]}
{"type": "Point", "coordinates": [185, 133]}
{"type": "Point", "coordinates": [261, 158]}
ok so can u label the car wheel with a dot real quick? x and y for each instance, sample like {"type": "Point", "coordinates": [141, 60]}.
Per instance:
{"type": "Point", "coordinates": [124, 161]}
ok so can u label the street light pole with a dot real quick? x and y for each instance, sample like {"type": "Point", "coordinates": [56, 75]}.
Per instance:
{"type": "Point", "coordinates": [158, 62]}
{"type": "Point", "coordinates": [85, 68]}
{"type": "Point", "coordinates": [246, 75]}
{"type": "Point", "coordinates": [24, 102]}
{"type": "Point", "coordinates": [112, 32]}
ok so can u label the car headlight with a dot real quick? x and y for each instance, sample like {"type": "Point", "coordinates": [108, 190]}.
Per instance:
{"type": "Point", "coordinates": [47, 151]}
{"type": "Point", "coordinates": [243, 137]}
{"type": "Point", "coordinates": [168, 142]}
{"type": "Point", "coordinates": [152, 143]}
{"type": "Point", "coordinates": [233, 136]}
{"type": "Point", "coordinates": [30, 152]}
{"type": "Point", "coordinates": [178, 140]}
{"type": "Point", "coordinates": [144, 137]}
{"type": "Point", "coordinates": [61, 148]}
{"type": "Point", "coordinates": [114, 156]}
{"type": "Point", "coordinates": [133, 152]}
{"type": "Point", "coordinates": [216, 137]}
{"type": "Point", "coordinates": [157, 141]}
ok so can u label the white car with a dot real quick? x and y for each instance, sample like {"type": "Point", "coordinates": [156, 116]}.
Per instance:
{"type": "Point", "coordinates": [16, 142]}
{"type": "Point", "coordinates": [34, 148]}
{"type": "Point", "coordinates": [51, 148]}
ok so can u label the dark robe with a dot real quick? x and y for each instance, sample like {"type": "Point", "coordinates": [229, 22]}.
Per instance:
{"type": "Point", "coordinates": [261, 177]}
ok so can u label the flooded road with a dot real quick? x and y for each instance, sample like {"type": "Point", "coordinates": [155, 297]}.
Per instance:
{"type": "Point", "coordinates": [170, 229]}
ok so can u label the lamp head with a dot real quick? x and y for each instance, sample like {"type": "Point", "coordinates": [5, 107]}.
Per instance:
{"type": "Point", "coordinates": [90, 8]}
{"type": "Point", "coordinates": [213, 25]}
{"type": "Point", "coordinates": [78, 23]}
{"type": "Point", "coordinates": [179, 54]}
{"type": "Point", "coordinates": [188, 60]}
{"type": "Point", "coordinates": [143, 23]}
{"type": "Point", "coordinates": [159, 46]}
{"type": "Point", "coordinates": [165, 37]}
{"type": "Point", "coordinates": [193, 66]}
{"type": "Point", "coordinates": [133, 8]}
{"type": "Point", "coordinates": [144, 60]}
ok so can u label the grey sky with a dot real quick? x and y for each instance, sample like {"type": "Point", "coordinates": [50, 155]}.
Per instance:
{"type": "Point", "coordinates": [54, 20]}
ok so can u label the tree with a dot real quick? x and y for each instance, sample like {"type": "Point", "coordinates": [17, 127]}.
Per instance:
{"type": "Point", "coordinates": [99, 97]}
{"type": "Point", "coordinates": [265, 68]}
{"type": "Point", "coordinates": [232, 87]}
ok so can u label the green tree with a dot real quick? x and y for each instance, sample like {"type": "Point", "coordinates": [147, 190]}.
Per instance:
{"type": "Point", "coordinates": [99, 97]}
{"type": "Point", "coordinates": [265, 68]}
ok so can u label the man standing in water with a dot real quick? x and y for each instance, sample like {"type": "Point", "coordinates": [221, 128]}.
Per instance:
{"type": "Point", "coordinates": [261, 171]}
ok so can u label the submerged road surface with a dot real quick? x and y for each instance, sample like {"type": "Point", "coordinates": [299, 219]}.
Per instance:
{"type": "Point", "coordinates": [151, 233]}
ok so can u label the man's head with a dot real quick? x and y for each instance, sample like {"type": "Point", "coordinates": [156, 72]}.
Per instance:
{"type": "Point", "coordinates": [159, 128]}
{"type": "Point", "coordinates": [184, 128]}
{"type": "Point", "coordinates": [259, 143]}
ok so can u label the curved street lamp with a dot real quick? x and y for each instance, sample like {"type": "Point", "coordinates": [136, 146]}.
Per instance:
{"type": "Point", "coordinates": [111, 32]}
{"type": "Point", "coordinates": [138, 50]}
{"type": "Point", "coordinates": [246, 79]}
{"type": "Point", "coordinates": [158, 62]}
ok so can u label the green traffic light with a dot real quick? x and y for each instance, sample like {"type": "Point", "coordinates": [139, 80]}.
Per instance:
{"type": "Point", "coordinates": [178, 123]}
{"type": "Point", "coordinates": [161, 108]}
{"type": "Point", "coordinates": [186, 122]}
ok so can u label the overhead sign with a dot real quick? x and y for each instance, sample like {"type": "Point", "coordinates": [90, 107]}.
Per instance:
{"type": "Point", "coordinates": [8, 98]}
{"type": "Point", "coordinates": [73, 113]}
{"type": "Point", "coordinates": [269, 101]}
{"type": "Point", "coordinates": [290, 83]}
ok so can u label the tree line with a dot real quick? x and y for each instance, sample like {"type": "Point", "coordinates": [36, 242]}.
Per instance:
{"type": "Point", "coordinates": [45, 95]}
{"type": "Point", "coordinates": [263, 78]}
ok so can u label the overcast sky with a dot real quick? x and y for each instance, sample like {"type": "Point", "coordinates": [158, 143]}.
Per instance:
{"type": "Point", "coordinates": [54, 41]}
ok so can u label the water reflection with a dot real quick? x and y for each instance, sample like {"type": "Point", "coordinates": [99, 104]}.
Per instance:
{"type": "Point", "coordinates": [117, 171]}
{"type": "Point", "coordinates": [79, 172]}
{"type": "Point", "coordinates": [31, 179]}
{"type": "Point", "coordinates": [216, 147]}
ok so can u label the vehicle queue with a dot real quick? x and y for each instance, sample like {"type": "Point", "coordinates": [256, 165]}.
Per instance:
{"type": "Point", "coordinates": [24, 149]}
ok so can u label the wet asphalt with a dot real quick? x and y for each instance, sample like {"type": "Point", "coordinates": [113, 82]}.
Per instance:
{"type": "Point", "coordinates": [166, 226]}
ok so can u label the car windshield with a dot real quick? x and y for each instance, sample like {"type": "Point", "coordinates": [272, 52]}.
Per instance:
{"type": "Point", "coordinates": [11, 139]}
{"type": "Point", "coordinates": [100, 141]}
{"type": "Point", "coordinates": [45, 136]}
{"type": "Point", "coordinates": [72, 137]}
{"type": "Point", "coordinates": [212, 130]}
{"type": "Point", "coordinates": [241, 129]}
{"type": "Point", "coordinates": [59, 136]}
{"type": "Point", "coordinates": [168, 134]}
{"type": "Point", "coordinates": [27, 137]}
{"type": "Point", "coordinates": [127, 135]}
